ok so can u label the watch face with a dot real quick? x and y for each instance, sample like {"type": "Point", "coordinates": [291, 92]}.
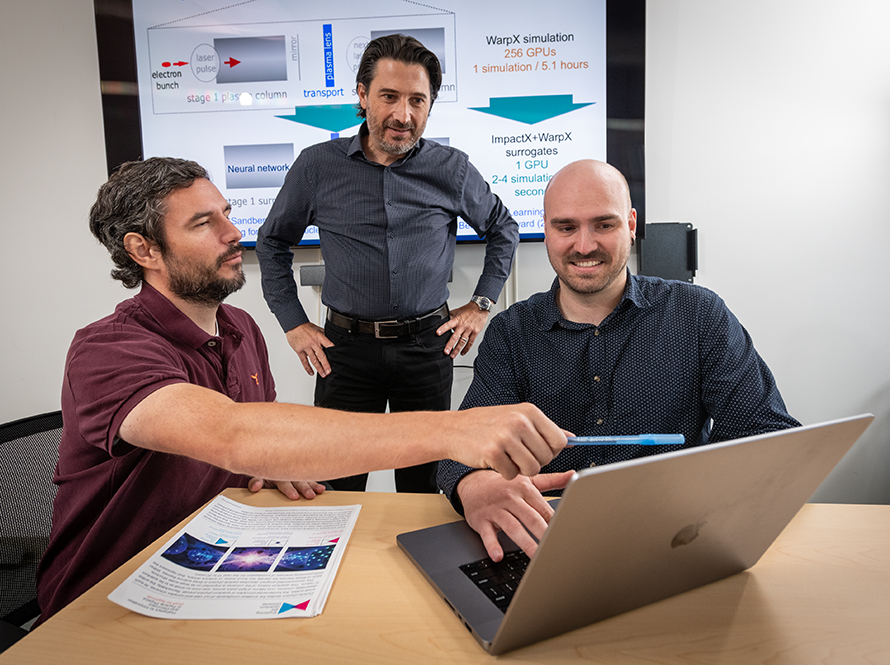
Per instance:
{"type": "Point", "coordinates": [483, 302]}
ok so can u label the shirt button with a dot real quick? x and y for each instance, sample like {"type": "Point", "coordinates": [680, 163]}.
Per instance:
{"type": "Point", "coordinates": [599, 421]}
{"type": "Point", "coordinates": [596, 333]}
{"type": "Point", "coordinates": [389, 203]}
{"type": "Point", "coordinates": [592, 464]}
{"type": "Point", "coordinates": [395, 271]}
{"type": "Point", "coordinates": [211, 343]}
{"type": "Point", "coordinates": [597, 379]}
{"type": "Point", "coordinates": [392, 235]}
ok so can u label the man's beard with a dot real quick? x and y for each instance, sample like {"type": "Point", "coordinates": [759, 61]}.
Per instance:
{"type": "Point", "coordinates": [395, 148]}
{"type": "Point", "coordinates": [579, 284]}
{"type": "Point", "coordinates": [201, 284]}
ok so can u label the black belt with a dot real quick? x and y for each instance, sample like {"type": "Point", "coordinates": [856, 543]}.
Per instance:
{"type": "Point", "coordinates": [389, 329]}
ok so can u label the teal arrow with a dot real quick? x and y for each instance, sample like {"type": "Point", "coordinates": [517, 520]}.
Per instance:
{"type": "Point", "coordinates": [333, 117]}
{"type": "Point", "coordinates": [530, 109]}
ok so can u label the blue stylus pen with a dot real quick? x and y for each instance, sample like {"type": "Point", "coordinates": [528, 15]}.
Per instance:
{"type": "Point", "coordinates": [634, 440]}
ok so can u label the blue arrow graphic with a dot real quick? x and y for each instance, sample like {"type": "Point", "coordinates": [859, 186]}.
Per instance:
{"type": "Point", "coordinates": [530, 109]}
{"type": "Point", "coordinates": [332, 117]}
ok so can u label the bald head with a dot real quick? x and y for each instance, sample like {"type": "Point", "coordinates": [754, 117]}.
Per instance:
{"type": "Point", "coordinates": [586, 175]}
{"type": "Point", "coordinates": [589, 227]}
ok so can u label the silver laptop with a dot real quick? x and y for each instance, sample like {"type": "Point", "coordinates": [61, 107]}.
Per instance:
{"type": "Point", "coordinates": [632, 533]}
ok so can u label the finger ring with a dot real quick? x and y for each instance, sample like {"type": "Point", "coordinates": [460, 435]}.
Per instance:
{"type": "Point", "coordinates": [466, 339]}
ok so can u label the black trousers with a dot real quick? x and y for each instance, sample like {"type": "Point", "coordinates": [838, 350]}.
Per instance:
{"type": "Point", "coordinates": [410, 373]}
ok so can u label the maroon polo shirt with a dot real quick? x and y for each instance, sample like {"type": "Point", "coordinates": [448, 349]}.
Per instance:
{"type": "Point", "coordinates": [115, 499]}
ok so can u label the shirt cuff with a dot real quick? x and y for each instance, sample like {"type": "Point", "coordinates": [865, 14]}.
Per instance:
{"type": "Point", "coordinates": [452, 495]}
{"type": "Point", "coordinates": [490, 287]}
{"type": "Point", "coordinates": [291, 316]}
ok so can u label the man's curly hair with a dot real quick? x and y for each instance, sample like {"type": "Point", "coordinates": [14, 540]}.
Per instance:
{"type": "Point", "coordinates": [132, 201]}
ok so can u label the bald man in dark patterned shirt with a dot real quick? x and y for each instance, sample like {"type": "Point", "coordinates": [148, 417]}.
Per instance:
{"type": "Point", "coordinates": [604, 352]}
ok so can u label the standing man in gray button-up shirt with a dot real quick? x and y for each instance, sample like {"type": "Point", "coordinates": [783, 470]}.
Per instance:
{"type": "Point", "coordinates": [386, 204]}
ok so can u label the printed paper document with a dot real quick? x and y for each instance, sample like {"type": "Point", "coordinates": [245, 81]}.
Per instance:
{"type": "Point", "coordinates": [240, 562]}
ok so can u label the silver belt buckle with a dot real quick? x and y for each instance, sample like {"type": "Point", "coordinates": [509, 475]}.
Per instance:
{"type": "Point", "coordinates": [377, 325]}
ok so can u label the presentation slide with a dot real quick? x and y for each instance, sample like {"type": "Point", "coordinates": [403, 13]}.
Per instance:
{"type": "Point", "coordinates": [243, 88]}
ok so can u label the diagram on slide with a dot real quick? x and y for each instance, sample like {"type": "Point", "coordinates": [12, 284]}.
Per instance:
{"type": "Point", "coordinates": [198, 66]}
{"type": "Point", "coordinates": [243, 88]}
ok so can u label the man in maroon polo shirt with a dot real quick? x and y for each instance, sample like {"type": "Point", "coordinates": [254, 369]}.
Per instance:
{"type": "Point", "coordinates": [170, 399]}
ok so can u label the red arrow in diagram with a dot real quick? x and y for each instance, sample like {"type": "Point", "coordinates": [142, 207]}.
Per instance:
{"type": "Point", "coordinates": [180, 63]}
{"type": "Point", "coordinates": [231, 62]}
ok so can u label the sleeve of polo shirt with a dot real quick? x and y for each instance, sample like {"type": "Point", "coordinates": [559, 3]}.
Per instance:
{"type": "Point", "coordinates": [738, 389]}
{"type": "Point", "coordinates": [109, 373]}
{"type": "Point", "coordinates": [485, 212]}
{"type": "Point", "coordinates": [291, 214]}
{"type": "Point", "coordinates": [494, 383]}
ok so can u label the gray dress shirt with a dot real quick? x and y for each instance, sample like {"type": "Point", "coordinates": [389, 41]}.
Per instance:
{"type": "Point", "coordinates": [387, 232]}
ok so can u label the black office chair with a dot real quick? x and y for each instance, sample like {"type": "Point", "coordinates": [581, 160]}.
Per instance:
{"type": "Point", "coordinates": [29, 449]}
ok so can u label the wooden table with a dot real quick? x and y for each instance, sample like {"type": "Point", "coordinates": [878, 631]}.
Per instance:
{"type": "Point", "coordinates": [821, 594]}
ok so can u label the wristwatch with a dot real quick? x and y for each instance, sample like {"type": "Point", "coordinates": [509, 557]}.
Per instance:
{"type": "Point", "coordinates": [483, 303]}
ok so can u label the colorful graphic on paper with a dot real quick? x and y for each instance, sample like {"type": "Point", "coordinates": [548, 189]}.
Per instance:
{"type": "Point", "coordinates": [249, 560]}
{"type": "Point", "coordinates": [189, 552]}
{"type": "Point", "coordinates": [305, 558]}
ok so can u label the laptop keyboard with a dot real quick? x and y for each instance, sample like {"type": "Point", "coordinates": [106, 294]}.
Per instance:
{"type": "Point", "coordinates": [498, 579]}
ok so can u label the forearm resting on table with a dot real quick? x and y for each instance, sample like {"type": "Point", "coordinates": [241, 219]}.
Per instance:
{"type": "Point", "coordinates": [296, 442]}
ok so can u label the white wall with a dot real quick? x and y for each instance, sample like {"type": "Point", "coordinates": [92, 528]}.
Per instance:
{"type": "Point", "coordinates": [766, 128]}
{"type": "Point", "coordinates": [54, 275]}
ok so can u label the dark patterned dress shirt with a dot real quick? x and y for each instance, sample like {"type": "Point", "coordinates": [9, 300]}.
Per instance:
{"type": "Point", "coordinates": [387, 232]}
{"type": "Point", "coordinates": [670, 359]}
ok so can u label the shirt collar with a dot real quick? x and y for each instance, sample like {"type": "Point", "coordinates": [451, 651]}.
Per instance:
{"type": "Point", "coordinates": [355, 146]}
{"type": "Point", "coordinates": [178, 326]}
{"type": "Point", "coordinates": [550, 315]}
{"type": "Point", "coordinates": [634, 294]}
